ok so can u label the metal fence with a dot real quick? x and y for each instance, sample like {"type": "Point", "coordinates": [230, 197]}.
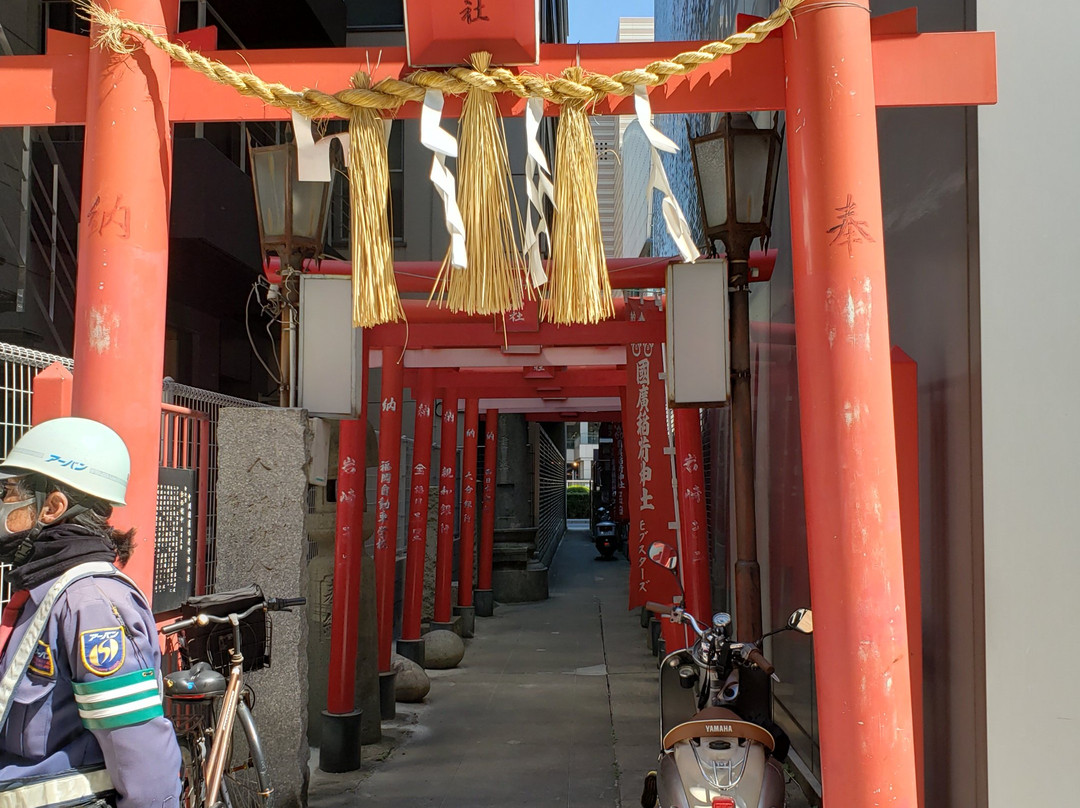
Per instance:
{"type": "Point", "coordinates": [18, 367]}
{"type": "Point", "coordinates": [210, 404]}
{"type": "Point", "coordinates": [550, 496]}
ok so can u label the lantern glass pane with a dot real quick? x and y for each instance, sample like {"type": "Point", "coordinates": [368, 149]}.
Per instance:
{"type": "Point", "coordinates": [309, 202]}
{"type": "Point", "coordinates": [751, 176]}
{"type": "Point", "coordinates": [712, 173]}
{"type": "Point", "coordinates": [269, 167]}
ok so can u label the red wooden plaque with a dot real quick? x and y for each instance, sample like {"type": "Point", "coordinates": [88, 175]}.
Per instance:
{"type": "Point", "coordinates": [445, 32]}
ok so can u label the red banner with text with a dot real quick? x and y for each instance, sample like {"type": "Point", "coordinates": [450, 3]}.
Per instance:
{"type": "Point", "coordinates": [650, 493]}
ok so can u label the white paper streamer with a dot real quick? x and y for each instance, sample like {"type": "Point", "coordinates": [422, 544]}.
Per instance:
{"type": "Point", "coordinates": [537, 186]}
{"type": "Point", "coordinates": [313, 157]}
{"type": "Point", "coordinates": [673, 216]}
{"type": "Point", "coordinates": [443, 145]}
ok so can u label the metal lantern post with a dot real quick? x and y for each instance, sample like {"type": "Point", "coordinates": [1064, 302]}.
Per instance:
{"type": "Point", "coordinates": [736, 169]}
{"type": "Point", "coordinates": [292, 221]}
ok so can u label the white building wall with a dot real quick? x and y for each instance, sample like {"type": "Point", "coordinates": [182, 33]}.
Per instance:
{"type": "Point", "coordinates": [608, 181]}
{"type": "Point", "coordinates": [1028, 247]}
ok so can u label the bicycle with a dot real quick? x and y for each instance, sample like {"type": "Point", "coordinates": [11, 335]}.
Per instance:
{"type": "Point", "coordinates": [223, 761]}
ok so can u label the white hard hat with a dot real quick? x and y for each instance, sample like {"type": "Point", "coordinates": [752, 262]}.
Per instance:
{"type": "Point", "coordinates": [81, 454]}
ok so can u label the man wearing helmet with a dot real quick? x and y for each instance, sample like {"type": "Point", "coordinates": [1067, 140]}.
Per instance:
{"type": "Point", "coordinates": [81, 719]}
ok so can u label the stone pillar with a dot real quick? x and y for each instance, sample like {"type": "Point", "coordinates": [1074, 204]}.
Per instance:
{"type": "Point", "coordinates": [262, 492]}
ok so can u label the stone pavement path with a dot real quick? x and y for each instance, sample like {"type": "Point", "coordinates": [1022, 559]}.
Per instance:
{"type": "Point", "coordinates": [555, 704]}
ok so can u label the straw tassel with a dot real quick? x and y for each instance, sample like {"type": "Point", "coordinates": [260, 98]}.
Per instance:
{"type": "Point", "coordinates": [492, 282]}
{"type": "Point", "coordinates": [578, 289]}
{"type": "Point", "coordinates": [375, 292]}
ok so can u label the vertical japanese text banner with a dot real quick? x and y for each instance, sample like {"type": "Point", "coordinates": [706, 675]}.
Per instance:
{"type": "Point", "coordinates": [650, 493]}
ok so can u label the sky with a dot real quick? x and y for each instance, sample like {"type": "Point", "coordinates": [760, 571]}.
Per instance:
{"type": "Point", "coordinates": [598, 20]}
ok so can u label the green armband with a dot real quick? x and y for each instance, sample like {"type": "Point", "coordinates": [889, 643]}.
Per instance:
{"type": "Point", "coordinates": [119, 701]}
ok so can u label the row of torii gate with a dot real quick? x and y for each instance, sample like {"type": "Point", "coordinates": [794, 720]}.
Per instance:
{"type": "Point", "coordinates": [611, 371]}
{"type": "Point", "coordinates": [829, 70]}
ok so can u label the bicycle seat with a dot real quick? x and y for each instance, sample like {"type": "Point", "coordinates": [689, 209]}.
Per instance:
{"type": "Point", "coordinates": [198, 682]}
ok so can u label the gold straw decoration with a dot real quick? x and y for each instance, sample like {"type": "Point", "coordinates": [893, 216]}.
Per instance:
{"type": "Point", "coordinates": [578, 288]}
{"type": "Point", "coordinates": [492, 282]}
{"type": "Point", "coordinates": [375, 292]}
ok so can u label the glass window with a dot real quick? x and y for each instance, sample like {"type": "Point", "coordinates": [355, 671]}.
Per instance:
{"type": "Point", "coordinates": [365, 15]}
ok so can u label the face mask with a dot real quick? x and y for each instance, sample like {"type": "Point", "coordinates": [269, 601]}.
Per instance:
{"type": "Point", "coordinates": [8, 508]}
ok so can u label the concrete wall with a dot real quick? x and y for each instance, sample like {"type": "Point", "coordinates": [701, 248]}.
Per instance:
{"type": "Point", "coordinates": [1028, 175]}
{"type": "Point", "coordinates": [262, 487]}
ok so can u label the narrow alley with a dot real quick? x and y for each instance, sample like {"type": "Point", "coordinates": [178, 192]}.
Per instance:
{"type": "Point", "coordinates": [555, 703]}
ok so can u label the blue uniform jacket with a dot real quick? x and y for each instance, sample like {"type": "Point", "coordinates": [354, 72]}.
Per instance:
{"type": "Point", "coordinates": [99, 630]}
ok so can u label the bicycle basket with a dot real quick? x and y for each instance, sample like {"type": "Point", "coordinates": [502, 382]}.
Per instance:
{"type": "Point", "coordinates": [212, 642]}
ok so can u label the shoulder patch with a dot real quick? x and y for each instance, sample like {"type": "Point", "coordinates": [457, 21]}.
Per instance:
{"type": "Point", "coordinates": [103, 650]}
{"type": "Point", "coordinates": [41, 662]}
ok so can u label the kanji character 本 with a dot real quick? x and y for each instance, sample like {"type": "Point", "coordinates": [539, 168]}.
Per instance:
{"type": "Point", "coordinates": [850, 230]}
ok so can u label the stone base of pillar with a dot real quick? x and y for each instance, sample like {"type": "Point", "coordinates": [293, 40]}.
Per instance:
{"type": "Point", "coordinates": [484, 600]}
{"type": "Point", "coordinates": [387, 697]}
{"type": "Point", "coordinates": [644, 617]}
{"type": "Point", "coordinates": [412, 649]}
{"type": "Point", "coordinates": [468, 620]}
{"type": "Point", "coordinates": [339, 749]}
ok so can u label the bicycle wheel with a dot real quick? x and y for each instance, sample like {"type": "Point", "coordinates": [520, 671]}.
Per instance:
{"type": "Point", "coordinates": [245, 782]}
{"type": "Point", "coordinates": [192, 761]}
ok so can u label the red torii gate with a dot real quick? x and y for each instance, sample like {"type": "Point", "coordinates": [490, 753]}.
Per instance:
{"type": "Point", "coordinates": [829, 77]}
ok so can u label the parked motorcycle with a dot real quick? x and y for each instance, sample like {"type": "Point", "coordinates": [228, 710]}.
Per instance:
{"type": "Point", "coordinates": [605, 534]}
{"type": "Point", "coordinates": [710, 757]}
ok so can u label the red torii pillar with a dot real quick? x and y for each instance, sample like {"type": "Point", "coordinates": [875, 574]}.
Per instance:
{"type": "Point", "coordinates": [845, 397]}
{"type": "Point", "coordinates": [467, 546]}
{"type": "Point", "coordinates": [485, 596]}
{"type": "Point", "coordinates": [444, 543]}
{"type": "Point", "coordinates": [386, 515]}
{"type": "Point", "coordinates": [340, 749]}
{"type": "Point", "coordinates": [410, 645]}
{"type": "Point", "coordinates": [124, 262]}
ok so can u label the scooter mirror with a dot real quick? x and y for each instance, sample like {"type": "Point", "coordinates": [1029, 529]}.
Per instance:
{"type": "Point", "coordinates": [801, 620]}
{"type": "Point", "coordinates": [663, 554]}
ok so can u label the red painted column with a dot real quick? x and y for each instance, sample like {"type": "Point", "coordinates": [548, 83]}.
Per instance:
{"type": "Point", "coordinates": [484, 601]}
{"type": "Point", "coordinates": [694, 549]}
{"type": "Point", "coordinates": [418, 508]}
{"type": "Point", "coordinates": [467, 546]}
{"type": "Point", "coordinates": [348, 558]}
{"type": "Point", "coordinates": [124, 261]}
{"type": "Point", "coordinates": [845, 401]}
{"type": "Point", "coordinates": [444, 546]}
{"type": "Point", "coordinates": [386, 511]}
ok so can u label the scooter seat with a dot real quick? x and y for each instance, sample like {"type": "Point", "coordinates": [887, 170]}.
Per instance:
{"type": "Point", "coordinates": [718, 722]}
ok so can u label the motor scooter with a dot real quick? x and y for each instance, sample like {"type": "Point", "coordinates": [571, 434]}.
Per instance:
{"type": "Point", "coordinates": [605, 534]}
{"type": "Point", "coordinates": [710, 757]}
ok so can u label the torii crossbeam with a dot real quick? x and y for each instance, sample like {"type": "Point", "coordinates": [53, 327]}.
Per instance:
{"type": "Point", "coordinates": [829, 72]}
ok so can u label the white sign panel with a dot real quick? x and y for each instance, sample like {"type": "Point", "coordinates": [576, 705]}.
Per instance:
{"type": "Point", "coordinates": [330, 348]}
{"type": "Point", "coordinates": [697, 334]}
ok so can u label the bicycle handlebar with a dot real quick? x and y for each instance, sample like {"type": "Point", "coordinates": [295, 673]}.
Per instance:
{"type": "Point", "coordinates": [201, 619]}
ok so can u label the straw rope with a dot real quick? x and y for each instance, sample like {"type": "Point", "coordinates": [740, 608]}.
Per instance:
{"type": "Point", "coordinates": [491, 283]}
{"type": "Point", "coordinates": [116, 33]}
{"type": "Point", "coordinates": [578, 288]}
{"type": "Point", "coordinates": [375, 292]}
